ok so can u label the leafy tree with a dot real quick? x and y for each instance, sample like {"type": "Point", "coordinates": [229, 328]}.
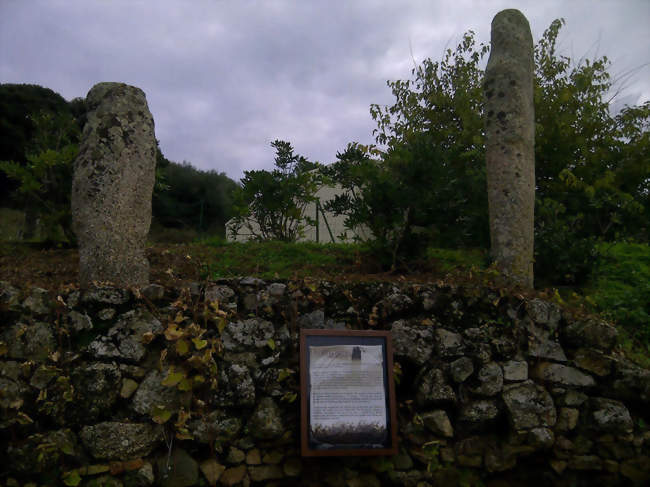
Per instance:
{"type": "Point", "coordinates": [389, 196]}
{"type": "Point", "coordinates": [19, 103]}
{"type": "Point", "coordinates": [428, 185]}
{"type": "Point", "coordinates": [187, 198]}
{"type": "Point", "coordinates": [591, 167]}
{"type": "Point", "coordinates": [270, 204]}
{"type": "Point", "coordinates": [45, 179]}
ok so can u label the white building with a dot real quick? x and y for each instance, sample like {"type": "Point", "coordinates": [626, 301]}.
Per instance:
{"type": "Point", "coordinates": [328, 229]}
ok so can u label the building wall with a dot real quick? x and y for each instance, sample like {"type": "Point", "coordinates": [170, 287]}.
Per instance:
{"type": "Point", "coordinates": [314, 233]}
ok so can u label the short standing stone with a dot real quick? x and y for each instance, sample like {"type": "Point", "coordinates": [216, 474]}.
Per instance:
{"type": "Point", "coordinates": [277, 289]}
{"type": "Point", "coordinates": [510, 144]}
{"type": "Point", "coordinates": [112, 186]}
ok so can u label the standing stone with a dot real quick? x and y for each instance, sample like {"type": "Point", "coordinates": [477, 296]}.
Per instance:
{"type": "Point", "coordinates": [510, 146]}
{"type": "Point", "coordinates": [113, 182]}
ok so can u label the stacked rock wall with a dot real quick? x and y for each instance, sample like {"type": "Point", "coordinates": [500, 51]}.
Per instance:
{"type": "Point", "coordinates": [199, 386]}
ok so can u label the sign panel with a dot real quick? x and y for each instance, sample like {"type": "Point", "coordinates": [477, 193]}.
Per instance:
{"type": "Point", "coordinates": [347, 393]}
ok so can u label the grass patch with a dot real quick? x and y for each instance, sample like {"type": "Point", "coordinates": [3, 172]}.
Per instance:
{"type": "Point", "coordinates": [620, 286]}
{"type": "Point", "coordinates": [635, 350]}
{"type": "Point", "coordinates": [619, 289]}
{"type": "Point", "coordinates": [447, 260]}
{"type": "Point", "coordinates": [281, 260]}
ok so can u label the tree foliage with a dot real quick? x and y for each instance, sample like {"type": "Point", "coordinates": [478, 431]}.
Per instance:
{"type": "Point", "coordinates": [270, 204]}
{"type": "Point", "coordinates": [427, 187]}
{"type": "Point", "coordinates": [20, 109]}
{"type": "Point", "coordinates": [45, 178]}
{"type": "Point", "coordinates": [188, 198]}
{"type": "Point", "coordinates": [591, 166]}
{"type": "Point", "coordinates": [38, 144]}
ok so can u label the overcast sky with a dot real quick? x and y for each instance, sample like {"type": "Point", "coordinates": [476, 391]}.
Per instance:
{"type": "Point", "coordinates": [224, 78]}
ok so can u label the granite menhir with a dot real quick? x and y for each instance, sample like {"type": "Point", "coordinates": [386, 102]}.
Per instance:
{"type": "Point", "coordinates": [510, 146]}
{"type": "Point", "coordinates": [112, 186]}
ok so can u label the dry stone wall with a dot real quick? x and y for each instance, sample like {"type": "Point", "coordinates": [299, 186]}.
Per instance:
{"type": "Point", "coordinates": [199, 386]}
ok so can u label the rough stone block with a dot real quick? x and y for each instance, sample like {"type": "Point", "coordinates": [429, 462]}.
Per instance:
{"type": "Point", "coordinates": [120, 441]}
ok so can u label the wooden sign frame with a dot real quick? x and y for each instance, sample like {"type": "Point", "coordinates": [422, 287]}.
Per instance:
{"type": "Point", "coordinates": [381, 439]}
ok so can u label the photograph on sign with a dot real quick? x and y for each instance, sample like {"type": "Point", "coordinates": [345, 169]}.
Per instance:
{"type": "Point", "coordinates": [348, 393]}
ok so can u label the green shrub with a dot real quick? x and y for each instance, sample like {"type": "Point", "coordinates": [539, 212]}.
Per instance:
{"type": "Point", "coordinates": [562, 254]}
{"type": "Point", "coordinates": [620, 287]}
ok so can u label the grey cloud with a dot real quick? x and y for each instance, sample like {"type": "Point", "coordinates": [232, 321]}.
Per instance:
{"type": "Point", "coordinates": [225, 78]}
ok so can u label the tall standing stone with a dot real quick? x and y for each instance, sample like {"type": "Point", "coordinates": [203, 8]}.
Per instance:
{"type": "Point", "coordinates": [112, 186]}
{"type": "Point", "coordinates": [510, 146]}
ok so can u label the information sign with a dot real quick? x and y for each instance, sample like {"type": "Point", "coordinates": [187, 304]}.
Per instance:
{"type": "Point", "coordinates": [347, 393]}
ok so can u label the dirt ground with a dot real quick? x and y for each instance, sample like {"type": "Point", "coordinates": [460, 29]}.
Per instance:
{"type": "Point", "coordinates": [175, 265]}
{"type": "Point", "coordinates": [171, 265]}
{"type": "Point", "coordinates": [53, 269]}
